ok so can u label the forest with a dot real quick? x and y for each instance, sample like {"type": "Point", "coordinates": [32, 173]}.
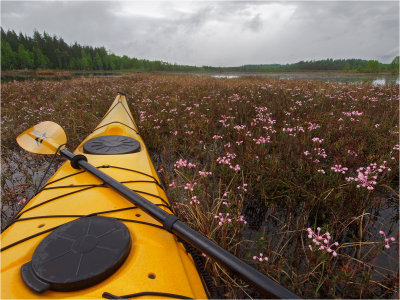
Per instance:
{"type": "Point", "coordinates": [43, 51]}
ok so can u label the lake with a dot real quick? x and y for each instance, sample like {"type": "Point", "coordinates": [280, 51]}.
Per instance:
{"type": "Point", "coordinates": [375, 79]}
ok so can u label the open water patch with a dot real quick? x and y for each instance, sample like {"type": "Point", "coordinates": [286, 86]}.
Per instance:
{"type": "Point", "coordinates": [22, 174]}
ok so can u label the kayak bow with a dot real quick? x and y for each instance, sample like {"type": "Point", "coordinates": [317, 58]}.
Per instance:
{"type": "Point", "coordinates": [96, 247]}
{"type": "Point", "coordinates": [136, 254]}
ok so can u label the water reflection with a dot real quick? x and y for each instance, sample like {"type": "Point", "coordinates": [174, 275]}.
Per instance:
{"type": "Point", "coordinates": [376, 80]}
{"type": "Point", "coordinates": [54, 77]}
{"type": "Point", "coordinates": [225, 76]}
{"type": "Point", "coordinates": [382, 81]}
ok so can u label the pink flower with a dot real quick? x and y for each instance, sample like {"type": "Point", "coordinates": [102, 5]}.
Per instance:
{"type": "Point", "coordinates": [260, 257]}
{"type": "Point", "coordinates": [189, 186]}
{"type": "Point", "coordinates": [223, 160]}
{"type": "Point", "coordinates": [180, 163]}
{"type": "Point", "coordinates": [236, 168]}
{"type": "Point", "coordinates": [183, 163]}
{"type": "Point", "coordinates": [318, 140]}
{"type": "Point", "coordinates": [243, 187]}
{"type": "Point", "coordinates": [321, 239]}
{"type": "Point", "coordinates": [217, 137]}
{"type": "Point", "coordinates": [241, 219]}
{"type": "Point", "coordinates": [321, 152]}
{"type": "Point", "coordinates": [172, 184]}
{"type": "Point", "coordinates": [351, 152]}
{"type": "Point", "coordinates": [223, 218]}
{"type": "Point", "coordinates": [22, 201]}
{"type": "Point", "coordinates": [387, 240]}
{"type": "Point", "coordinates": [339, 169]}
{"type": "Point", "coordinates": [367, 176]}
{"type": "Point", "coordinates": [204, 174]}
{"type": "Point", "coordinates": [262, 140]}
{"type": "Point", "coordinates": [194, 200]}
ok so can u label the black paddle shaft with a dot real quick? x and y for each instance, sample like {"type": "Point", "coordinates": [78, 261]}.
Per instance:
{"type": "Point", "coordinates": [259, 281]}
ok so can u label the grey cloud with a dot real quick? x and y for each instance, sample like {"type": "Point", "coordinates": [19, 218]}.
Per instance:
{"type": "Point", "coordinates": [219, 33]}
{"type": "Point", "coordinates": [255, 24]}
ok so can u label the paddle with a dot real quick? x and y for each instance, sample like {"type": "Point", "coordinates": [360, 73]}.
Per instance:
{"type": "Point", "coordinates": [48, 137]}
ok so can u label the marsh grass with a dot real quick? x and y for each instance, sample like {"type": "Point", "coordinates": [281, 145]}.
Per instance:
{"type": "Point", "coordinates": [273, 148]}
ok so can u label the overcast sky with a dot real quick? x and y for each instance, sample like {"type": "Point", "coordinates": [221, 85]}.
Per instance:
{"type": "Point", "coordinates": [217, 33]}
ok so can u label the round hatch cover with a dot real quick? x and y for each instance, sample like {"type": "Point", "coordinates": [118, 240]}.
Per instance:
{"type": "Point", "coordinates": [78, 254]}
{"type": "Point", "coordinates": [111, 144]}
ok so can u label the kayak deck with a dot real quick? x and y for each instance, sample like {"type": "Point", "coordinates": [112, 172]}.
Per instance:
{"type": "Point", "coordinates": [157, 263]}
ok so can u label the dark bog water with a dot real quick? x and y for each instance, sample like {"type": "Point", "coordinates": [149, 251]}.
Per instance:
{"type": "Point", "coordinates": [54, 77]}
{"type": "Point", "coordinates": [265, 224]}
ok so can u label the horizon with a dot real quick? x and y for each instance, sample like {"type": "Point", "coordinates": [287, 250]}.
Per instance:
{"type": "Point", "coordinates": [219, 33]}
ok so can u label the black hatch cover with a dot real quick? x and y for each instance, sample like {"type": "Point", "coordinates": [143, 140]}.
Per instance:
{"type": "Point", "coordinates": [77, 255]}
{"type": "Point", "coordinates": [111, 144]}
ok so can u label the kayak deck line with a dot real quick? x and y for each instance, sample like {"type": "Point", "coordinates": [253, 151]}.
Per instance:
{"type": "Point", "coordinates": [111, 296]}
{"type": "Point", "coordinates": [95, 185]}
{"type": "Point", "coordinates": [106, 167]}
{"type": "Point", "coordinates": [86, 187]}
{"type": "Point", "coordinates": [116, 122]}
{"type": "Point", "coordinates": [95, 213]}
{"type": "Point", "coordinates": [127, 113]}
{"type": "Point", "coordinates": [79, 216]}
{"type": "Point", "coordinates": [45, 187]}
{"type": "Point", "coordinates": [72, 216]}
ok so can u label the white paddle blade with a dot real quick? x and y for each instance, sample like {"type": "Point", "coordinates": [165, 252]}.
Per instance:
{"type": "Point", "coordinates": [43, 138]}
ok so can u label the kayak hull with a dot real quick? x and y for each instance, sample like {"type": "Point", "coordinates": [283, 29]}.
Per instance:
{"type": "Point", "coordinates": [157, 262]}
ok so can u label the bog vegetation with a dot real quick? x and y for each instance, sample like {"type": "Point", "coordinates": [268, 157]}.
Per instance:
{"type": "Point", "coordinates": [294, 177]}
{"type": "Point", "coordinates": [43, 51]}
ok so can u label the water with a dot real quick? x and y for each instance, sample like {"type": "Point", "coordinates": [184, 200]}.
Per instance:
{"type": "Point", "coordinates": [11, 76]}
{"type": "Point", "coordinates": [375, 79]}
{"type": "Point", "coordinates": [267, 222]}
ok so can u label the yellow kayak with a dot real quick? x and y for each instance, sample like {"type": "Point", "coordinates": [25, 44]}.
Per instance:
{"type": "Point", "coordinates": [78, 238]}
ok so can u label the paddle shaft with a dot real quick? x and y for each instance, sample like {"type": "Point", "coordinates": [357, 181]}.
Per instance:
{"type": "Point", "coordinates": [259, 281]}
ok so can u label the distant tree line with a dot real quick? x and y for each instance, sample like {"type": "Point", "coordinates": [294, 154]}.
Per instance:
{"type": "Point", "coordinates": [344, 65]}
{"type": "Point", "coordinates": [42, 51]}
{"type": "Point", "coordinates": [19, 51]}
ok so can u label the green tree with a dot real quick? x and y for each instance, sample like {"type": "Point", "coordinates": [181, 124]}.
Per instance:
{"type": "Point", "coordinates": [394, 65]}
{"type": "Point", "coordinates": [97, 63]}
{"type": "Point", "coordinates": [373, 66]}
{"type": "Point", "coordinates": [8, 57]}
{"type": "Point", "coordinates": [40, 61]}
{"type": "Point", "coordinates": [86, 61]}
{"type": "Point", "coordinates": [59, 59]}
{"type": "Point", "coordinates": [25, 58]}
{"type": "Point", "coordinates": [346, 67]}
